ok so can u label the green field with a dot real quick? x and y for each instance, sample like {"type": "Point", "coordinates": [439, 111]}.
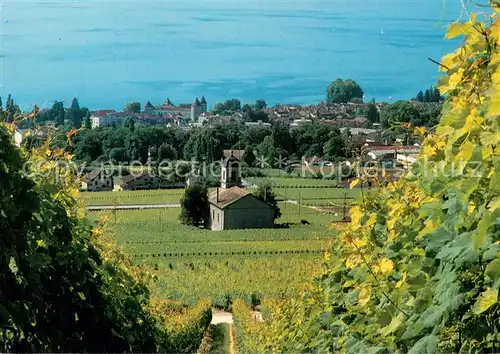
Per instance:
{"type": "Point", "coordinates": [192, 263]}
{"type": "Point", "coordinates": [292, 182]}
{"type": "Point", "coordinates": [159, 196]}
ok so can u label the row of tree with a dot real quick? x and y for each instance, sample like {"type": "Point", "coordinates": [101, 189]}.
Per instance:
{"type": "Point", "coordinates": [120, 144]}
{"type": "Point", "coordinates": [73, 116]}
{"type": "Point", "coordinates": [430, 95]}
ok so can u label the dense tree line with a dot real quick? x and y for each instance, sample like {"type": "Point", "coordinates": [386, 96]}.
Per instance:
{"type": "Point", "coordinates": [407, 112]}
{"type": "Point", "coordinates": [122, 144]}
{"type": "Point", "coordinates": [430, 95]}
{"type": "Point", "coordinates": [73, 116]}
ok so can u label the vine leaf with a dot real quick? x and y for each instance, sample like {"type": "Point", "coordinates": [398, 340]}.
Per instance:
{"type": "Point", "coordinates": [487, 299]}
{"type": "Point", "coordinates": [394, 325]}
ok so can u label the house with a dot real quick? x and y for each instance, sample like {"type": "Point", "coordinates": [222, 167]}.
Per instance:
{"type": "Point", "coordinates": [98, 180]}
{"type": "Point", "coordinates": [233, 207]}
{"type": "Point", "coordinates": [258, 123]}
{"type": "Point", "coordinates": [381, 150]}
{"type": "Point", "coordinates": [297, 123]}
{"type": "Point", "coordinates": [183, 110]}
{"type": "Point", "coordinates": [143, 181]}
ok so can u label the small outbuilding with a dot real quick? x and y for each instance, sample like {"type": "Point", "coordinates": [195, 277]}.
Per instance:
{"type": "Point", "coordinates": [233, 207]}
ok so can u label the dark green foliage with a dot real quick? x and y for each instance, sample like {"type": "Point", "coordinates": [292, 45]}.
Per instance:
{"type": "Point", "coordinates": [194, 205]}
{"type": "Point", "coordinates": [166, 152]}
{"type": "Point", "coordinates": [340, 91]}
{"type": "Point", "coordinates": [57, 293]}
{"type": "Point", "coordinates": [431, 95]}
{"type": "Point", "coordinates": [260, 105]}
{"type": "Point", "coordinates": [265, 193]}
{"type": "Point", "coordinates": [75, 115]}
{"type": "Point", "coordinates": [399, 112]}
{"type": "Point", "coordinates": [371, 112]}
{"type": "Point", "coordinates": [132, 107]}
{"type": "Point", "coordinates": [249, 157]}
{"type": "Point", "coordinates": [204, 143]}
{"type": "Point", "coordinates": [228, 107]}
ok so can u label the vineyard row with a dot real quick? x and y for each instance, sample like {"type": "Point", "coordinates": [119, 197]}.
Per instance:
{"type": "Point", "coordinates": [162, 242]}
{"type": "Point", "coordinates": [241, 253]}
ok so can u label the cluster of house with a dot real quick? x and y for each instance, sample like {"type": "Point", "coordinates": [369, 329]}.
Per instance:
{"type": "Point", "coordinates": [196, 114]}
{"type": "Point", "coordinates": [231, 205]}
{"type": "Point", "coordinates": [343, 114]}
{"type": "Point", "coordinates": [166, 114]}
{"type": "Point", "coordinates": [385, 156]}
{"type": "Point", "coordinates": [99, 180]}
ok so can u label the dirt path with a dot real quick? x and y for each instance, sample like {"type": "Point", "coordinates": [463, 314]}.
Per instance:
{"type": "Point", "coordinates": [221, 317]}
{"type": "Point", "coordinates": [225, 317]}
{"type": "Point", "coordinates": [232, 342]}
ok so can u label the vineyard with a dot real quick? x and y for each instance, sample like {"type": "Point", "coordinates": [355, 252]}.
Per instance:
{"type": "Point", "coordinates": [191, 263]}
{"type": "Point", "coordinates": [133, 197]}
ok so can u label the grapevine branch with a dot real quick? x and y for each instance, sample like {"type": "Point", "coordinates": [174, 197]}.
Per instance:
{"type": "Point", "coordinates": [438, 63]}
{"type": "Point", "coordinates": [349, 238]}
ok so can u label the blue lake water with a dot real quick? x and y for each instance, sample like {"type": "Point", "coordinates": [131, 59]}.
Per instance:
{"type": "Point", "coordinates": [107, 53]}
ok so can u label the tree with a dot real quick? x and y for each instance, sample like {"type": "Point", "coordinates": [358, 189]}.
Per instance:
{"type": "Point", "coordinates": [260, 105]}
{"type": "Point", "coordinates": [399, 112]}
{"type": "Point", "coordinates": [335, 146]}
{"type": "Point", "coordinates": [87, 123]}
{"type": "Point", "coordinates": [166, 152]}
{"type": "Point", "coordinates": [249, 156]}
{"type": "Point", "coordinates": [256, 116]}
{"type": "Point", "coordinates": [427, 96]}
{"type": "Point", "coordinates": [132, 107]}
{"type": "Point", "coordinates": [265, 193]}
{"type": "Point", "coordinates": [129, 123]}
{"type": "Point", "coordinates": [228, 107]}
{"type": "Point", "coordinates": [74, 114]}
{"type": "Point", "coordinates": [436, 95]}
{"type": "Point", "coordinates": [420, 96]}
{"type": "Point", "coordinates": [194, 205]}
{"type": "Point", "coordinates": [62, 288]}
{"type": "Point", "coordinates": [340, 91]}
{"type": "Point", "coordinates": [372, 113]}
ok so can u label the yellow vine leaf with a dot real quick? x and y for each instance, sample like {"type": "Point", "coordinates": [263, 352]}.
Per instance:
{"type": "Point", "coordinates": [386, 266]}
{"type": "Point", "coordinates": [355, 215]}
{"type": "Point", "coordinates": [487, 299]}
{"type": "Point", "coordinates": [449, 61]}
{"type": "Point", "coordinates": [354, 183]}
{"type": "Point", "coordinates": [401, 281]}
{"type": "Point", "coordinates": [466, 151]}
{"type": "Point", "coordinates": [455, 30]}
{"type": "Point", "coordinates": [365, 295]}
{"type": "Point", "coordinates": [353, 261]}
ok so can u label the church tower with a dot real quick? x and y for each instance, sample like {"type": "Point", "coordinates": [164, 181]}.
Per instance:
{"type": "Point", "coordinates": [230, 172]}
{"type": "Point", "coordinates": [195, 110]}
